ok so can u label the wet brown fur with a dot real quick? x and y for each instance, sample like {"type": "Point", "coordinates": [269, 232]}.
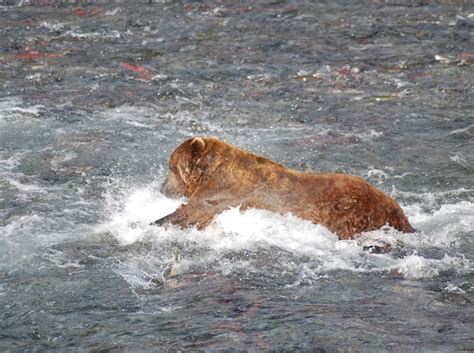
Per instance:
{"type": "Point", "coordinates": [215, 176]}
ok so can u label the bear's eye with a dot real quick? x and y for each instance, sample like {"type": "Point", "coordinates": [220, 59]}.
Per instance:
{"type": "Point", "coordinates": [186, 168]}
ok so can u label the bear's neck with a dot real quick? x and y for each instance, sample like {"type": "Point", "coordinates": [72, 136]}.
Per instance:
{"type": "Point", "coordinates": [247, 170]}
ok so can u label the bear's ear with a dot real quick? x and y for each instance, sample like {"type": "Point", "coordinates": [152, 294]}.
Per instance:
{"type": "Point", "coordinates": [197, 144]}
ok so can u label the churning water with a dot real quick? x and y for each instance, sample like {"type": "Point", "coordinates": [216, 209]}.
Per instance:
{"type": "Point", "coordinates": [93, 100]}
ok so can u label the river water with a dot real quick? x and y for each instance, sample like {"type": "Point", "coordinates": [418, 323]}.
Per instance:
{"type": "Point", "coordinates": [94, 97]}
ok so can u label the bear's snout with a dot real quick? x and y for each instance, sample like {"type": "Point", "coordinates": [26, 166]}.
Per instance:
{"type": "Point", "coordinates": [168, 188]}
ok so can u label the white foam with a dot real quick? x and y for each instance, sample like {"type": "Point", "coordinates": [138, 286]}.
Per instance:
{"type": "Point", "coordinates": [52, 27]}
{"type": "Point", "coordinates": [461, 160]}
{"type": "Point", "coordinates": [23, 228]}
{"type": "Point", "coordinates": [370, 135]}
{"type": "Point", "coordinates": [12, 109]}
{"type": "Point", "coordinates": [452, 288]}
{"type": "Point", "coordinates": [9, 164]}
{"type": "Point", "coordinates": [254, 240]}
{"type": "Point", "coordinates": [60, 260]}
{"type": "Point", "coordinates": [137, 116]}
{"type": "Point", "coordinates": [26, 188]}
{"type": "Point", "coordinates": [77, 34]}
{"type": "Point", "coordinates": [414, 266]}
{"type": "Point", "coordinates": [112, 12]}
{"type": "Point", "coordinates": [236, 230]}
{"type": "Point", "coordinates": [137, 124]}
{"type": "Point", "coordinates": [464, 131]}
{"type": "Point", "coordinates": [130, 217]}
{"type": "Point", "coordinates": [445, 226]}
{"type": "Point", "coordinates": [433, 199]}
{"type": "Point", "coordinates": [378, 176]}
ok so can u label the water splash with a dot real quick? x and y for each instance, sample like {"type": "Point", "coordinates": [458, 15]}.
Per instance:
{"type": "Point", "coordinates": [284, 247]}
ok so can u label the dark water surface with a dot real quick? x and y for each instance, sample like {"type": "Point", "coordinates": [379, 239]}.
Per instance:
{"type": "Point", "coordinates": [94, 97]}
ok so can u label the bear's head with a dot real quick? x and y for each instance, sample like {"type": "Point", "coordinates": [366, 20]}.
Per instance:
{"type": "Point", "coordinates": [187, 164]}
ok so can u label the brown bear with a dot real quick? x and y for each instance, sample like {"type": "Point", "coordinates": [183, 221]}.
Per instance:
{"type": "Point", "coordinates": [215, 176]}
